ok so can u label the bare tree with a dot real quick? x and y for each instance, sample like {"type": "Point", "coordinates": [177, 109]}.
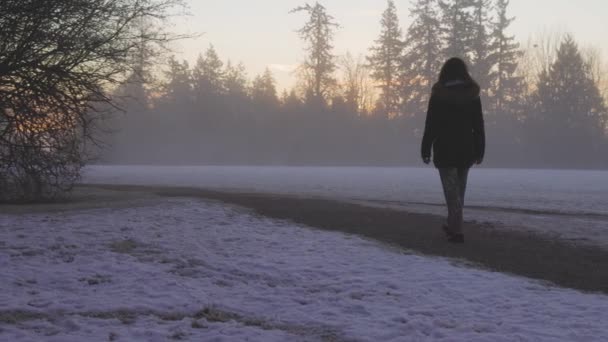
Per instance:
{"type": "Point", "coordinates": [59, 61]}
{"type": "Point", "coordinates": [598, 72]}
{"type": "Point", "coordinates": [539, 54]}
{"type": "Point", "coordinates": [358, 88]}
{"type": "Point", "coordinates": [594, 61]}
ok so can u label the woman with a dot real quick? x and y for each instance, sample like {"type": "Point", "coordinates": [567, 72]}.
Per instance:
{"type": "Point", "coordinates": [454, 130]}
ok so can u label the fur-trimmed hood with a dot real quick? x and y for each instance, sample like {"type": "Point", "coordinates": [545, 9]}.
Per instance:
{"type": "Point", "coordinates": [456, 91]}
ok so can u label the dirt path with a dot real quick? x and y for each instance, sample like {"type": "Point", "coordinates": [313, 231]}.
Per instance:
{"type": "Point", "coordinates": [534, 256]}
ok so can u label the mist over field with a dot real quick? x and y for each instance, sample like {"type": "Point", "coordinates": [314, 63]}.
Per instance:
{"type": "Point", "coordinates": [543, 95]}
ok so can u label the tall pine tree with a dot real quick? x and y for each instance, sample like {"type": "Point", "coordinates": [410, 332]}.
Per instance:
{"type": "Point", "coordinates": [235, 80]}
{"type": "Point", "coordinates": [178, 84]}
{"type": "Point", "coordinates": [504, 104]}
{"type": "Point", "coordinates": [482, 56]}
{"type": "Point", "coordinates": [208, 74]}
{"type": "Point", "coordinates": [264, 91]}
{"type": "Point", "coordinates": [319, 65]}
{"type": "Point", "coordinates": [236, 97]}
{"type": "Point", "coordinates": [385, 59]}
{"type": "Point", "coordinates": [458, 27]}
{"type": "Point", "coordinates": [507, 86]}
{"type": "Point", "coordinates": [422, 57]}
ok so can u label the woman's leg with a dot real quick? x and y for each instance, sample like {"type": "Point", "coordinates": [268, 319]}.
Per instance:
{"type": "Point", "coordinates": [453, 194]}
{"type": "Point", "coordinates": [463, 175]}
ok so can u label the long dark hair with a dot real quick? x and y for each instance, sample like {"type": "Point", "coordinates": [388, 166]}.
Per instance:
{"type": "Point", "coordinates": [455, 69]}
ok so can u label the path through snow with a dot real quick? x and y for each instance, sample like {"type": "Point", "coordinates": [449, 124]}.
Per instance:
{"type": "Point", "coordinates": [194, 270]}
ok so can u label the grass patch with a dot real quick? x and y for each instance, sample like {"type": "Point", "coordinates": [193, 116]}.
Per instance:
{"type": "Point", "coordinates": [209, 314]}
{"type": "Point", "coordinates": [97, 279]}
{"type": "Point", "coordinates": [215, 315]}
{"type": "Point", "coordinates": [124, 247]}
{"type": "Point", "coordinates": [179, 336]}
{"type": "Point", "coordinates": [18, 316]}
{"type": "Point", "coordinates": [126, 317]}
{"type": "Point", "coordinates": [198, 325]}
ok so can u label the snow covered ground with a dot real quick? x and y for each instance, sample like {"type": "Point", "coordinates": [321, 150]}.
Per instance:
{"type": "Point", "coordinates": [572, 205]}
{"type": "Point", "coordinates": [184, 269]}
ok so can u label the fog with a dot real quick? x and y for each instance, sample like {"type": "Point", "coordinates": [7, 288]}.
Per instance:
{"type": "Point", "coordinates": [544, 102]}
{"type": "Point", "coordinates": [145, 196]}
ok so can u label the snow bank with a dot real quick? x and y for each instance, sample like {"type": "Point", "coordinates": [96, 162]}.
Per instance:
{"type": "Point", "coordinates": [192, 270]}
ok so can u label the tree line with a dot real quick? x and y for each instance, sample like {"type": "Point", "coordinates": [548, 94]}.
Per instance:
{"type": "Point", "coordinates": [544, 104]}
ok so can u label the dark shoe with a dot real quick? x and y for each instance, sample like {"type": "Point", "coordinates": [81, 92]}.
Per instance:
{"type": "Point", "coordinates": [446, 230]}
{"type": "Point", "coordinates": [452, 237]}
{"type": "Point", "coordinates": [455, 238]}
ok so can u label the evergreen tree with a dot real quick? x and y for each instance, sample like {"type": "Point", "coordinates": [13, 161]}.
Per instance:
{"type": "Point", "coordinates": [131, 132]}
{"type": "Point", "coordinates": [458, 27]}
{"type": "Point", "coordinates": [143, 57]}
{"type": "Point", "coordinates": [507, 86]}
{"type": "Point", "coordinates": [178, 85]}
{"type": "Point", "coordinates": [264, 91]}
{"type": "Point", "coordinates": [235, 100]}
{"type": "Point", "coordinates": [506, 103]}
{"type": "Point", "coordinates": [422, 57]}
{"type": "Point", "coordinates": [319, 65]}
{"type": "Point", "coordinates": [290, 100]}
{"type": "Point", "coordinates": [208, 74]}
{"type": "Point", "coordinates": [482, 54]}
{"type": "Point", "coordinates": [235, 80]}
{"type": "Point", "coordinates": [385, 59]}
{"type": "Point", "coordinates": [567, 122]}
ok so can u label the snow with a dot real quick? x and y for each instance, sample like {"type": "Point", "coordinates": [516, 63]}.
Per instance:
{"type": "Point", "coordinates": [571, 205]}
{"type": "Point", "coordinates": [143, 273]}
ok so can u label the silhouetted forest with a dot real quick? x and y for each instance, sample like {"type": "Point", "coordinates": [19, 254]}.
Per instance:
{"type": "Point", "coordinates": [544, 103]}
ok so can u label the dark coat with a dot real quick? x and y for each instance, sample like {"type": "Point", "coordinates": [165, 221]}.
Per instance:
{"type": "Point", "coordinates": [454, 125]}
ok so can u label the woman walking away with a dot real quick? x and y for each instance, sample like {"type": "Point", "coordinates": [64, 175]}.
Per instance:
{"type": "Point", "coordinates": [454, 129]}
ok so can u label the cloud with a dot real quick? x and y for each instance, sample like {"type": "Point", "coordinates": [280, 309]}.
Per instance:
{"type": "Point", "coordinates": [283, 67]}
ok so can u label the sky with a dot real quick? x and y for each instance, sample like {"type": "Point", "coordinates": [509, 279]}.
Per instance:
{"type": "Point", "coordinates": [261, 33]}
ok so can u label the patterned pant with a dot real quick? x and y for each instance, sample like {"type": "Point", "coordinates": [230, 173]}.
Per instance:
{"type": "Point", "coordinates": [454, 181]}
